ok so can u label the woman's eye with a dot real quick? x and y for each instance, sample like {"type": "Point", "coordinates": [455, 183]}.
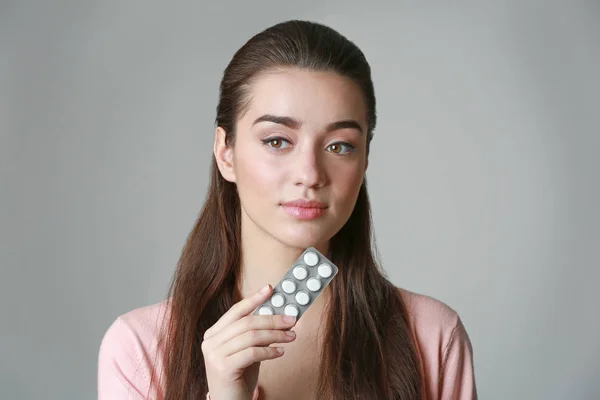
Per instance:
{"type": "Point", "coordinates": [340, 148]}
{"type": "Point", "coordinates": [276, 143]}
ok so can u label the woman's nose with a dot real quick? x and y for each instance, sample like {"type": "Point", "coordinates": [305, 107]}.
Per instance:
{"type": "Point", "coordinates": [308, 168]}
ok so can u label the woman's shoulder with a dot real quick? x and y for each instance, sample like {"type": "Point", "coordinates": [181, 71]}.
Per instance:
{"type": "Point", "coordinates": [434, 323]}
{"type": "Point", "coordinates": [144, 323]}
{"type": "Point", "coordinates": [428, 312]}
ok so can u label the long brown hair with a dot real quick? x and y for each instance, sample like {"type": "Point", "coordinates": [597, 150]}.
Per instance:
{"type": "Point", "coordinates": [369, 351]}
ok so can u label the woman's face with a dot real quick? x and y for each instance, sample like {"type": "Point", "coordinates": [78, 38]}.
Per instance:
{"type": "Point", "coordinates": [300, 156]}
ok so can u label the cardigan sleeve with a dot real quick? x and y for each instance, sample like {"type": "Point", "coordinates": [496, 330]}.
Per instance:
{"type": "Point", "coordinates": [121, 371]}
{"type": "Point", "coordinates": [457, 377]}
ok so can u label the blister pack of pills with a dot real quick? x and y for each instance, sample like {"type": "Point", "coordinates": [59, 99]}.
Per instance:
{"type": "Point", "coordinates": [301, 285]}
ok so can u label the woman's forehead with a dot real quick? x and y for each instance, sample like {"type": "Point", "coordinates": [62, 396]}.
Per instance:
{"type": "Point", "coordinates": [311, 96]}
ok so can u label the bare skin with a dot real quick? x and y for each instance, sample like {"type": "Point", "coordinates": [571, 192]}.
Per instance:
{"type": "Point", "coordinates": [317, 152]}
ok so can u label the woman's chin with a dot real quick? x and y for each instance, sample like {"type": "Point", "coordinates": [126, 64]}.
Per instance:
{"type": "Point", "coordinates": [304, 237]}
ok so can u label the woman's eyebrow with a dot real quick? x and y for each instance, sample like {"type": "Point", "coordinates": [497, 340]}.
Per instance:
{"type": "Point", "coordinates": [345, 124]}
{"type": "Point", "coordinates": [287, 121]}
{"type": "Point", "coordinates": [295, 124]}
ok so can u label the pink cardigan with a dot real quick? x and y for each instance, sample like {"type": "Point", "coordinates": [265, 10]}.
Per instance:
{"type": "Point", "coordinates": [129, 355]}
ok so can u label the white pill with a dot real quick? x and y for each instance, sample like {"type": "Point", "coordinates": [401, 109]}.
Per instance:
{"type": "Point", "coordinates": [311, 259]}
{"type": "Point", "coordinates": [313, 284]}
{"type": "Point", "coordinates": [292, 310]}
{"type": "Point", "coordinates": [277, 300]}
{"type": "Point", "coordinates": [288, 286]}
{"type": "Point", "coordinates": [302, 298]}
{"type": "Point", "coordinates": [265, 310]}
{"type": "Point", "coordinates": [325, 270]}
{"type": "Point", "coordinates": [300, 273]}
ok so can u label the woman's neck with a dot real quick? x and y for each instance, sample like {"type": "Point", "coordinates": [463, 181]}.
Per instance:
{"type": "Point", "coordinates": [264, 259]}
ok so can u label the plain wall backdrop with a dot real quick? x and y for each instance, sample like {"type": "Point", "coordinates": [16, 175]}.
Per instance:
{"type": "Point", "coordinates": [484, 172]}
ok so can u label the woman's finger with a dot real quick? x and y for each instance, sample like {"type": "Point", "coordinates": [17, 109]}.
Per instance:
{"type": "Point", "coordinates": [245, 358]}
{"type": "Point", "coordinates": [256, 338]}
{"type": "Point", "coordinates": [239, 310]}
{"type": "Point", "coordinates": [252, 323]}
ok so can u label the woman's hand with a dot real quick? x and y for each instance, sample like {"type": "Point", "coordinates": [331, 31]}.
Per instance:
{"type": "Point", "coordinates": [236, 344]}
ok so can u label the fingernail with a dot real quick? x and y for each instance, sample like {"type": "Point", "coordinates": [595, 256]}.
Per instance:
{"type": "Point", "coordinates": [289, 318]}
{"type": "Point", "coordinates": [290, 333]}
{"type": "Point", "coordinates": [280, 350]}
{"type": "Point", "coordinates": [265, 289]}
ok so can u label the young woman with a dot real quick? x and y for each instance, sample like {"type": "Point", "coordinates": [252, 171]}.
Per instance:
{"type": "Point", "coordinates": [295, 118]}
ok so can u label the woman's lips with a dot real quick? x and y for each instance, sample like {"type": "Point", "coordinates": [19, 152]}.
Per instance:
{"type": "Point", "coordinates": [305, 209]}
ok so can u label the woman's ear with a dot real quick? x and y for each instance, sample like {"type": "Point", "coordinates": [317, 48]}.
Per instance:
{"type": "Point", "coordinates": [224, 155]}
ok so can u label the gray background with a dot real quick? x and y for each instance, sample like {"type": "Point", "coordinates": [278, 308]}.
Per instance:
{"type": "Point", "coordinates": [483, 174]}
